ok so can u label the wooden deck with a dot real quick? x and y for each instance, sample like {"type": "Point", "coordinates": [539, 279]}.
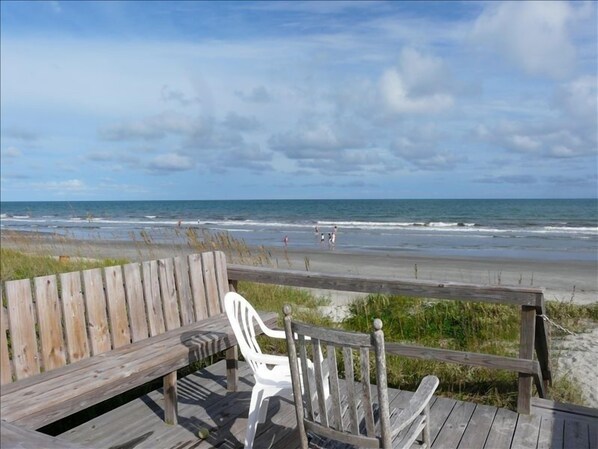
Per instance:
{"type": "Point", "coordinates": [205, 403]}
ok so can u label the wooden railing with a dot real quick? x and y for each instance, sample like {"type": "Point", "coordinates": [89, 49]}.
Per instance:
{"type": "Point", "coordinates": [533, 332]}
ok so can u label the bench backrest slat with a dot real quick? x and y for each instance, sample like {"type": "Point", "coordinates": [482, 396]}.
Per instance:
{"type": "Point", "coordinates": [21, 323]}
{"type": "Point", "coordinates": [117, 307]}
{"type": "Point", "coordinates": [74, 317]}
{"type": "Point", "coordinates": [181, 272]}
{"type": "Point", "coordinates": [211, 284]}
{"type": "Point", "coordinates": [97, 319]}
{"type": "Point", "coordinates": [221, 277]}
{"type": "Point", "coordinates": [135, 304]}
{"type": "Point", "coordinates": [52, 321]}
{"type": "Point", "coordinates": [153, 300]}
{"type": "Point", "coordinates": [49, 316]}
{"type": "Point", "coordinates": [5, 365]}
{"type": "Point", "coordinates": [198, 290]}
{"type": "Point", "coordinates": [169, 295]}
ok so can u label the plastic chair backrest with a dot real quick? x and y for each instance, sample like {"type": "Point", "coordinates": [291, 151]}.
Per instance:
{"type": "Point", "coordinates": [243, 318]}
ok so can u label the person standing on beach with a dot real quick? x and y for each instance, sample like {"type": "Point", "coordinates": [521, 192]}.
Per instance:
{"type": "Point", "coordinates": [322, 237]}
{"type": "Point", "coordinates": [286, 240]}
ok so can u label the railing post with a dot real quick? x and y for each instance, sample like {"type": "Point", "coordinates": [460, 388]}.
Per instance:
{"type": "Point", "coordinates": [232, 356]}
{"type": "Point", "coordinates": [526, 351]}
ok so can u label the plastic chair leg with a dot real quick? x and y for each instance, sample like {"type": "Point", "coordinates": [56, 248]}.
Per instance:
{"type": "Point", "coordinates": [257, 396]}
{"type": "Point", "coordinates": [264, 408]}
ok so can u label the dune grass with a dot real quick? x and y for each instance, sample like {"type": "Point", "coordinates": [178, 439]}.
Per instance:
{"type": "Point", "coordinates": [18, 265]}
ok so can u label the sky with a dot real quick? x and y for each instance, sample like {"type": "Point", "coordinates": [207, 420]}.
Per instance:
{"type": "Point", "coordinates": [225, 100]}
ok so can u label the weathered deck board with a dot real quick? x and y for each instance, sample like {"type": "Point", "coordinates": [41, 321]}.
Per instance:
{"type": "Point", "coordinates": [205, 403]}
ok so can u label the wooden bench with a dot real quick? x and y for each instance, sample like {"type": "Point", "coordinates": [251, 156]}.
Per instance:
{"type": "Point", "coordinates": [71, 341]}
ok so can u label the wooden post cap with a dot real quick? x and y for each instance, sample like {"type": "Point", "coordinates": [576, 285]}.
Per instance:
{"type": "Point", "coordinates": [287, 309]}
{"type": "Point", "coordinates": [377, 324]}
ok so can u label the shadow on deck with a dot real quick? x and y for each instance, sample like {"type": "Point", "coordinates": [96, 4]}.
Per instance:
{"type": "Point", "coordinates": [204, 403]}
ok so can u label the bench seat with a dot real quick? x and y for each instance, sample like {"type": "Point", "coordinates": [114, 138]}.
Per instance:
{"type": "Point", "coordinates": [47, 397]}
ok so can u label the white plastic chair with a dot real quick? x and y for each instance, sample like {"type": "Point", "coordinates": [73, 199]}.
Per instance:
{"type": "Point", "coordinates": [271, 372]}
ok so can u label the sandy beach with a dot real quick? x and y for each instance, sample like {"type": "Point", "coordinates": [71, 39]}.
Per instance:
{"type": "Point", "coordinates": [562, 281]}
{"type": "Point", "coordinates": [575, 281]}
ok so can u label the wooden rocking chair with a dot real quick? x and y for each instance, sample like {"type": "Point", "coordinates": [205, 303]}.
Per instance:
{"type": "Point", "coordinates": [351, 419]}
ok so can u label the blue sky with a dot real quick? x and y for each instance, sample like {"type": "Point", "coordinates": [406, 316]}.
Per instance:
{"type": "Point", "coordinates": [132, 100]}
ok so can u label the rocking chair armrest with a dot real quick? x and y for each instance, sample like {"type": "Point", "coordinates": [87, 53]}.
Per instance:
{"type": "Point", "coordinates": [416, 405]}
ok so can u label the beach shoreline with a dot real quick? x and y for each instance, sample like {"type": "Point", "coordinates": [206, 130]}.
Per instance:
{"type": "Point", "coordinates": [574, 281]}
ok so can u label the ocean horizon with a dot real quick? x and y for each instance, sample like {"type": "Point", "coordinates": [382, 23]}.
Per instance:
{"type": "Point", "coordinates": [537, 229]}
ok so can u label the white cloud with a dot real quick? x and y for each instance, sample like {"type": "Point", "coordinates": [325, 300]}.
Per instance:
{"type": "Point", "coordinates": [70, 185]}
{"type": "Point", "coordinates": [419, 85]}
{"type": "Point", "coordinates": [151, 128]}
{"type": "Point", "coordinates": [11, 152]}
{"type": "Point", "coordinates": [534, 35]}
{"type": "Point", "coordinates": [171, 162]}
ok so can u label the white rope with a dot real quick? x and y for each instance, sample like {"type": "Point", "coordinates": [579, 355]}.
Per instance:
{"type": "Point", "coordinates": [558, 326]}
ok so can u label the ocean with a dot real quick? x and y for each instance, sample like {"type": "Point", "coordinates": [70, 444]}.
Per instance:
{"type": "Point", "coordinates": [518, 229]}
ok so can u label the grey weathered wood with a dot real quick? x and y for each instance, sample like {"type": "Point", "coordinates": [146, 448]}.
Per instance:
{"type": "Point", "coordinates": [210, 283]}
{"type": "Point", "coordinates": [73, 309]}
{"type": "Point", "coordinates": [21, 323]}
{"type": "Point", "coordinates": [170, 304]}
{"type": "Point", "coordinates": [49, 314]}
{"type": "Point", "coordinates": [181, 272]}
{"type": "Point", "coordinates": [526, 432]}
{"type": "Point", "coordinates": [382, 387]}
{"type": "Point", "coordinates": [371, 284]}
{"type": "Point", "coordinates": [478, 426]}
{"type": "Point", "coordinates": [5, 365]}
{"type": "Point", "coordinates": [576, 435]}
{"type": "Point", "coordinates": [552, 431]}
{"type": "Point", "coordinates": [117, 307]}
{"type": "Point", "coordinates": [206, 403]}
{"type": "Point", "coordinates": [15, 437]}
{"type": "Point", "coordinates": [319, 378]}
{"type": "Point", "coordinates": [409, 422]}
{"type": "Point", "coordinates": [153, 299]}
{"type": "Point", "coordinates": [221, 276]}
{"type": "Point", "coordinates": [503, 427]}
{"type": "Point", "coordinates": [366, 390]}
{"type": "Point", "coordinates": [135, 302]}
{"type": "Point", "coordinates": [526, 351]}
{"type": "Point", "coordinates": [198, 290]}
{"type": "Point", "coordinates": [334, 388]}
{"type": "Point", "coordinates": [170, 398]}
{"type": "Point", "coordinates": [304, 369]}
{"type": "Point", "coordinates": [351, 396]}
{"type": "Point", "coordinates": [463, 357]}
{"type": "Point", "coordinates": [72, 388]}
{"type": "Point", "coordinates": [97, 318]}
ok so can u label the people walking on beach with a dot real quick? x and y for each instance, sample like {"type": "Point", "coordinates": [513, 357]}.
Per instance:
{"type": "Point", "coordinates": [322, 237]}
{"type": "Point", "coordinates": [333, 238]}
{"type": "Point", "coordinates": [286, 240]}
{"type": "Point", "coordinates": [317, 230]}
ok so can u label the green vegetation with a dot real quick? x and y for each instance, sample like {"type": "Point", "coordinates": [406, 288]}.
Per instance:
{"type": "Point", "coordinates": [17, 265]}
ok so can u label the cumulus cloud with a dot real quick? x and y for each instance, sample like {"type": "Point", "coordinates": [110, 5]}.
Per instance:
{"type": "Point", "coordinates": [418, 145]}
{"type": "Point", "coordinates": [170, 162]}
{"type": "Point", "coordinates": [313, 142]}
{"type": "Point", "coordinates": [11, 153]}
{"type": "Point", "coordinates": [257, 95]}
{"type": "Point", "coordinates": [21, 134]}
{"type": "Point", "coordinates": [174, 95]}
{"type": "Point", "coordinates": [239, 122]}
{"type": "Point", "coordinates": [70, 185]}
{"type": "Point", "coordinates": [419, 85]}
{"type": "Point", "coordinates": [152, 127]}
{"type": "Point", "coordinates": [532, 35]}
{"type": "Point", "coordinates": [507, 179]}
